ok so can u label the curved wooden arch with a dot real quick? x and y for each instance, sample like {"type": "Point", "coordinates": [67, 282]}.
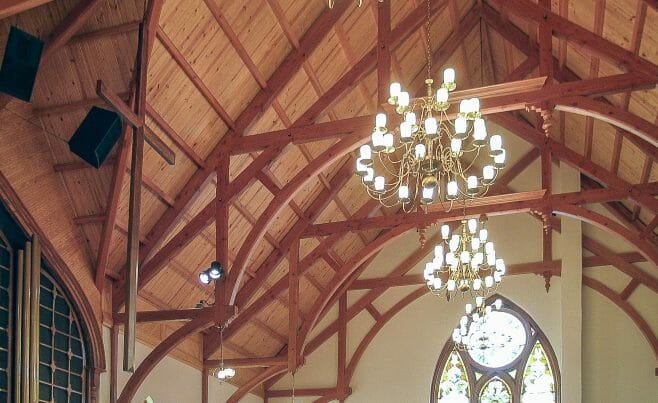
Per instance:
{"type": "Point", "coordinates": [340, 278]}
{"type": "Point", "coordinates": [635, 316]}
{"type": "Point", "coordinates": [323, 161]}
{"type": "Point", "coordinates": [374, 330]}
{"type": "Point", "coordinates": [255, 381]}
{"type": "Point", "coordinates": [158, 353]}
{"type": "Point", "coordinates": [610, 114]}
{"type": "Point", "coordinates": [600, 221]}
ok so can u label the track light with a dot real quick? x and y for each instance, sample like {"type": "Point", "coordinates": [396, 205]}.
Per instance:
{"type": "Point", "coordinates": [214, 272]}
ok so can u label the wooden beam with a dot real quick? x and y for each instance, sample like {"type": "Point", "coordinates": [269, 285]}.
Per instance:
{"type": "Point", "coordinates": [598, 261]}
{"type": "Point", "coordinates": [165, 315]}
{"type": "Point", "coordinates": [629, 289]}
{"type": "Point", "coordinates": [300, 392]}
{"type": "Point", "coordinates": [222, 208]}
{"type": "Point", "coordinates": [342, 382]}
{"type": "Point", "coordinates": [538, 268]}
{"type": "Point", "coordinates": [127, 27]}
{"type": "Point", "coordinates": [255, 381]}
{"type": "Point", "coordinates": [69, 26]}
{"type": "Point", "coordinates": [293, 306]}
{"type": "Point", "coordinates": [117, 104]}
{"type": "Point", "coordinates": [247, 362]}
{"type": "Point", "coordinates": [383, 50]}
{"type": "Point", "coordinates": [563, 28]}
{"type": "Point", "coordinates": [11, 7]}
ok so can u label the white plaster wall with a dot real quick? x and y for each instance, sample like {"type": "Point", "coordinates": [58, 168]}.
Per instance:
{"type": "Point", "coordinates": [618, 364]}
{"type": "Point", "coordinates": [171, 381]}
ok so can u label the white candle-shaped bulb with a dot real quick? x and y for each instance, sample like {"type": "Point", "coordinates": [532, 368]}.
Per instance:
{"type": "Point", "coordinates": [500, 158]}
{"type": "Point", "coordinates": [410, 117]}
{"type": "Point", "coordinates": [449, 75]}
{"type": "Point", "coordinates": [463, 321]}
{"type": "Point", "coordinates": [445, 231]}
{"type": "Point", "coordinates": [498, 304]}
{"type": "Point", "coordinates": [472, 225]}
{"type": "Point", "coordinates": [477, 284]}
{"type": "Point", "coordinates": [370, 175]}
{"type": "Point", "coordinates": [463, 106]}
{"type": "Point", "coordinates": [431, 126]}
{"type": "Point", "coordinates": [500, 266]}
{"type": "Point", "coordinates": [380, 120]}
{"type": "Point", "coordinates": [420, 151]}
{"type": "Point", "coordinates": [438, 251]}
{"type": "Point", "coordinates": [469, 308]}
{"type": "Point", "coordinates": [379, 183]}
{"type": "Point", "coordinates": [388, 140]}
{"type": "Point", "coordinates": [479, 129]}
{"type": "Point", "coordinates": [461, 125]}
{"type": "Point", "coordinates": [488, 172]}
{"type": "Point", "coordinates": [403, 98]}
{"type": "Point", "coordinates": [451, 285]}
{"type": "Point", "coordinates": [484, 234]}
{"type": "Point", "coordinates": [472, 182]}
{"type": "Point", "coordinates": [455, 145]}
{"type": "Point", "coordinates": [403, 192]}
{"type": "Point", "coordinates": [491, 258]}
{"type": "Point", "coordinates": [365, 152]}
{"type": "Point", "coordinates": [496, 142]}
{"type": "Point", "coordinates": [497, 277]}
{"type": "Point", "coordinates": [405, 130]}
{"type": "Point", "coordinates": [428, 193]}
{"type": "Point", "coordinates": [377, 138]}
{"type": "Point", "coordinates": [442, 95]}
{"type": "Point", "coordinates": [436, 283]}
{"type": "Point", "coordinates": [475, 244]}
{"type": "Point", "coordinates": [452, 188]}
{"type": "Point", "coordinates": [489, 247]}
{"type": "Point", "coordinates": [453, 244]}
{"type": "Point", "coordinates": [488, 281]}
{"type": "Point", "coordinates": [360, 167]}
{"type": "Point", "coordinates": [465, 257]}
{"type": "Point", "coordinates": [479, 301]}
{"type": "Point", "coordinates": [475, 104]}
{"type": "Point", "coordinates": [394, 89]}
{"type": "Point", "coordinates": [487, 309]}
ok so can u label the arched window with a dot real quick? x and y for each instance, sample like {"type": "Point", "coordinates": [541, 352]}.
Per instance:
{"type": "Point", "coordinates": [521, 368]}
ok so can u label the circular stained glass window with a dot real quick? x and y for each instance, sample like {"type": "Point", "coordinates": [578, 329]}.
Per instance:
{"type": "Point", "coordinates": [497, 341]}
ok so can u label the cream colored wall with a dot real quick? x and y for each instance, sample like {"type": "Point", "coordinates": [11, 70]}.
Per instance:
{"type": "Point", "coordinates": [170, 382]}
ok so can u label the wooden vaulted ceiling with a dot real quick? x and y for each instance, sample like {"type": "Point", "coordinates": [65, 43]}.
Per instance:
{"type": "Point", "coordinates": [222, 71]}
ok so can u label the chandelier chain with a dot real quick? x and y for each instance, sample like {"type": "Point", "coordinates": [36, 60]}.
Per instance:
{"type": "Point", "coordinates": [428, 29]}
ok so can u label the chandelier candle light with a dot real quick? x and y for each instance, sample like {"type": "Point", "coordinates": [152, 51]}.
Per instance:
{"type": "Point", "coordinates": [223, 374]}
{"type": "Point", "coordinates": [432, 159]}
{"type": "Point", "coordinates": [464, 261]}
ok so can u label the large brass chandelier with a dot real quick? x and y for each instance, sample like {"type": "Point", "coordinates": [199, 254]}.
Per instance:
{"type": "Point", "coordinates": [423, 156]}
{"type": "Point", "coordinates": [465, 261]}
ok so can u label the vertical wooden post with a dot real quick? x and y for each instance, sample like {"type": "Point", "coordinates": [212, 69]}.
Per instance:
{"type": "Point", "coordinates": [546, 182]}
{"type": "Point", "coordinates": [204, 385]}
{"type": "Point", "coordinates": [546, 51]}
{"type": "Point", "coordinates": [114, 362]}
{"type": "Point", "coordinates": [35, 294]}
{"type": "Point", "coordinates": [342, 347]}
{"type": "Point", "coordinates": [18, 388]}
{"type": "Point", "coordinates": [221, 233]}
{"type": "Point", "coordinates": [383, 51]}
{"type": "Point", "coordinates": [293, 306]}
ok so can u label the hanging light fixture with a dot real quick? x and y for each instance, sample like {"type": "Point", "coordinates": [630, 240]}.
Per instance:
{"type": "Point", "coordinates": [472, 324]}
{"type": "Point", "coordinates": [223, 373]}
{"type": "Point", "coordinates": [464, 261]}
{"type": "Point", "coordinates": [214, 272]}
{"type": "Point", "coordinates": [429, 158]}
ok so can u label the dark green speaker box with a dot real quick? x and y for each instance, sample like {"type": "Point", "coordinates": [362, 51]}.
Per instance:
{"type": "Point", "coordinates": [97, 134]}
{"type": "Point", "coordinates": [20, 64]}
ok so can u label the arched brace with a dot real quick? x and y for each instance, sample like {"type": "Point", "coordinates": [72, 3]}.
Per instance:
{"type": "Point", "coordinates": [323, 161]}
{"type": "Point", "coordinates": [160, 352]}
{"type": "Point", "coordinates": [255, 381]}
{"type": "Point", "coordinates": [635, 316]}
{"type": "Point", "coordinates": [611, 114]}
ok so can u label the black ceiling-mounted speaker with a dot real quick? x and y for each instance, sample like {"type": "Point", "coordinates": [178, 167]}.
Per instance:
{"type": "Point", "coordinates": [20, 64]}
{"type": "Point", "coordinates": [97, 134]}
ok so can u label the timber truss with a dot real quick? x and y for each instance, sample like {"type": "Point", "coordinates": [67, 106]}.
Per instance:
{"type": "Point", "coordinates": [565, 92]}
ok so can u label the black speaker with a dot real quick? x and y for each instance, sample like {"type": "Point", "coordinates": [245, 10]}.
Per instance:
{"type": "Point", "coordinates": [20, 64]}
{"type": "Point", "coordinates": [96, 136]}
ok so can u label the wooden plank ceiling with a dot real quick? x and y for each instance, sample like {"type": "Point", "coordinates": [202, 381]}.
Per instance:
{"type": "Point", "coordinates": [215, 64]}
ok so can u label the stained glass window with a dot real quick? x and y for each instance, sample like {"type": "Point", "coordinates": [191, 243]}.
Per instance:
{"type": "Point", "coordinates": [538, 381]}
{"type": "Point", "coordinates": [495, 391]}
{"type": "Point", "coordinates": [454, 386]}
{"type": "Point", "coordinates": [507, 360]}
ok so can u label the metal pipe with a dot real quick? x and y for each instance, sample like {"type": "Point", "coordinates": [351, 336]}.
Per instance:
{"type": "Point", "coordinates": [34, 320]}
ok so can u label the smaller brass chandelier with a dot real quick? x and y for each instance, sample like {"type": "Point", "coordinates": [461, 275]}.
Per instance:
{"type": "Point", "coordinates": [471, 323]}
{"type": "Point", "coordinates": [464, 261]}
{"type": "Point", "coordinates": [223, 373]}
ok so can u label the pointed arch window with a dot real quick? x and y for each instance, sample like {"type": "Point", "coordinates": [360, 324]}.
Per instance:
{"type": "Point", "coordinates": [524, 370]}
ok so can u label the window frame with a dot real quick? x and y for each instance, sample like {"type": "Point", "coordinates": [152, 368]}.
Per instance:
{"type": "Point", "coordinates": [515, 383]}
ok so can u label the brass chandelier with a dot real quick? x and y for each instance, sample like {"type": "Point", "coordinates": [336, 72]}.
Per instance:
{"type": "Point", "coordinates": [471, 324]}
{"type": "Point", "coordinates": [427, 157]}
{"type": "Point", "coordinates": [465, 261]}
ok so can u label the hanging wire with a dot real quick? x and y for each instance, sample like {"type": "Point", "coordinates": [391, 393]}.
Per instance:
{"type": "Point", "coordinates": [292, 399]}
{"type": "Point", "coordinates": [428, 48]}
{"type": "Point", "coordinates": [221, 346]}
